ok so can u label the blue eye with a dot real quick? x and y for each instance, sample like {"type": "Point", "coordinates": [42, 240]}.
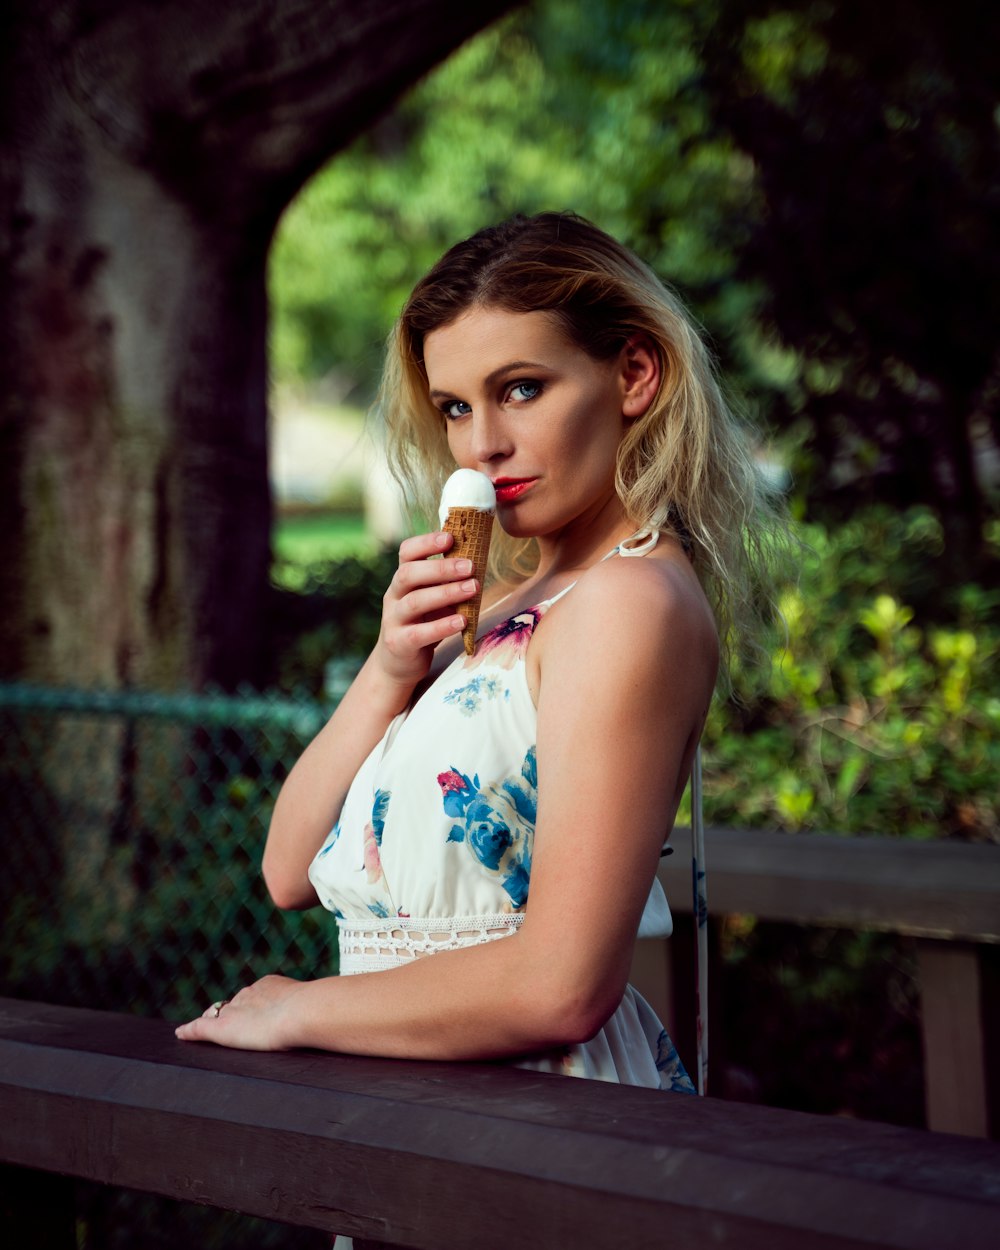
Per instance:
{"type": "Point", "coordinates": [455, 408]}
{"type": "Point", "coordinates": [522, 392]}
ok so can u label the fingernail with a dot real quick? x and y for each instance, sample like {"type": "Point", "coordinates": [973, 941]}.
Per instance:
{"type": "Point", "coordinates": [463, 567]}
{"type": "Point", "coordinates": [441, 540]}
{"type": "Point", "coordinates": [468, 587]}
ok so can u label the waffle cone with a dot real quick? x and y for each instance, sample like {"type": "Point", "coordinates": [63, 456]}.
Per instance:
{"type": "Point", "coordinates": [471, 529]}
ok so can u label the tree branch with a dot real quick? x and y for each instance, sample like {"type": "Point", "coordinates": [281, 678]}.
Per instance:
{"type": "Point", "coordinates": [234, 105]}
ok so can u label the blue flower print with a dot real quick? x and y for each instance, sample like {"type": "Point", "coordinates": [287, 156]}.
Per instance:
{"type": "Point", "coordinates": [488, 835]}
{"type": "Point", "coordinates": [516, 881]}
{"type": "Point", "coordinates": [380, 809]}
{"type": "Point", "coordinates": [380, 910]}
{"type": "Point", "coordinates": [470, 697]}
{"type": "Point", "coordinates": [496, 823]}
{"type": "Point", "coordinates": [331, 841]}
{"type": "Point", "coordinates": [673, 1075]}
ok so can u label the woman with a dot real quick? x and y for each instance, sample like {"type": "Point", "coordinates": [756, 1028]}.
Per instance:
{"type": "Point", "coordinates": [545, 355]}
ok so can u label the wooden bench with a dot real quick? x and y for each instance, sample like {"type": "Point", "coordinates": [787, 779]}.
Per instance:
{"type": "Point", "coordinates": [944, 894]}
{"type": "Point", "coordinates": [456, 1156]}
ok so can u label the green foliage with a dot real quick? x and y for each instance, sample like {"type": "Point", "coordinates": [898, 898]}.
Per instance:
{"type": "Point", "coordinates": [542, 111]}
{"type": "Point", "coordinates": [309, 538]}
{"type": "Point", "coordinates": [881, 709]}
{"type": "Point", "coordinates": [876, 156]}
{"type": "Point", "coordinates": [326, 617]}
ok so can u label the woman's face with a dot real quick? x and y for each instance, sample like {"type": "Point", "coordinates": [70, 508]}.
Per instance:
{"type": "Point", "coordinates": [537, 415]}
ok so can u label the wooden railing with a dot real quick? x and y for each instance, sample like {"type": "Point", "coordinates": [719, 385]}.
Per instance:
{"type": "Point", "coordinates": [944, 894]}
{"type": "Point", "coordinates": [456, 1156]}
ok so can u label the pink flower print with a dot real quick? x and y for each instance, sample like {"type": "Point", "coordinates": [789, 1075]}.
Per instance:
{"type": "Point", "coordinates": [457, 790]}
{"type": "Point", "coordinates": [373, 837]}
{"type": "Point", "coordinates": [373, 861]}
{"type": "Point", "coordinates": [507, 642]}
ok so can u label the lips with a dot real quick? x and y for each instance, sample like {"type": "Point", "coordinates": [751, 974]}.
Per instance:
{"type": "Point", "coordinates": [510, 488]}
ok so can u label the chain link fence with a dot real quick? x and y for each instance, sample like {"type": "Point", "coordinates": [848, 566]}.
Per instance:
{"type": "Point", "coordinates": [133, 826]}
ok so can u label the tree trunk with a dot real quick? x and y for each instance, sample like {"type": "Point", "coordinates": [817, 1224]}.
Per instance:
{"type": "Point", "coordinates": [150, 150]}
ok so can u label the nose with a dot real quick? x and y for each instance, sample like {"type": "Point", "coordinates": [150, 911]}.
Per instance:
{"type": "Point", "coordinates": [490, 440]}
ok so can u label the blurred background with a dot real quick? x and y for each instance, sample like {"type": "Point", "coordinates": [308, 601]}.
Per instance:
{"type": "Point", "coordinates": [818, 180]}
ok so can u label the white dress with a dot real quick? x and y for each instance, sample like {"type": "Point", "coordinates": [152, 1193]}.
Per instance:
{"type": "Point", "coordinates": [432, 850]}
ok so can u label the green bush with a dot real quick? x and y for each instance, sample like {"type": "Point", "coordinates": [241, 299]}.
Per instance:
{"type": "Point", "coordinates": [880, 711]}
{"type": "Point", "coordinates": [326, 616]}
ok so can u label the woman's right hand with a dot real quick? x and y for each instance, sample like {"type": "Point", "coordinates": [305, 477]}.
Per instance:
{"type": "Point", "coordinates": [418, 609]}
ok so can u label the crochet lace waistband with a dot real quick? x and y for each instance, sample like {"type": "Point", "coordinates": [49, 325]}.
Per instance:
{"type": "Point", "coordinates": [370, 946]}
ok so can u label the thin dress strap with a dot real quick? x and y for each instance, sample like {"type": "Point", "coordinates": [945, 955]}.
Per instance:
{"type": "Point", "coordinates": [699, 885]}
{"type": "Point", "coordinates": [649, 539]}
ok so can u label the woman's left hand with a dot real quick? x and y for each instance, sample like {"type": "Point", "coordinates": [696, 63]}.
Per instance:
{"type": "Point", "coordinates": [256, 1018]}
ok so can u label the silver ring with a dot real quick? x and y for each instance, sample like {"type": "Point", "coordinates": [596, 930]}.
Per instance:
{"type": "Point", "coordinates": [217, 1007]}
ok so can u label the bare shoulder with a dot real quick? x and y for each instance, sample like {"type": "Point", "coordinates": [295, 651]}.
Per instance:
{"type": "Point", "coordinates": [655, 598]}
{"type": "Point", "coordinates": [635, 623]}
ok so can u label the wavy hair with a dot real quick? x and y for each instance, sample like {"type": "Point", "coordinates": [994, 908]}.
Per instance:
{"type": "Point", "coordinates": [685, 467]}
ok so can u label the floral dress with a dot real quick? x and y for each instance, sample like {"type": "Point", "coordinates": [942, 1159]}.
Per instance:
{"type": "Point", "coordinates": [433, 847]}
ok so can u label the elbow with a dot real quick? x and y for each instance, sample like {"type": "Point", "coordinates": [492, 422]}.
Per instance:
{"type": "Point", "coordinates": [287, 893]}
{"type": "Point", "coordinates": [576, 1014]}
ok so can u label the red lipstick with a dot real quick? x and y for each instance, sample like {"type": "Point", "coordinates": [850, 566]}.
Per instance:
{"type": "Point", "coordinates": [510, 488]}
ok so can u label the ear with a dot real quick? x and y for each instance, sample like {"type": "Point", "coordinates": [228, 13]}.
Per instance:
{"type": "Point", "coordinates": [641, 371]}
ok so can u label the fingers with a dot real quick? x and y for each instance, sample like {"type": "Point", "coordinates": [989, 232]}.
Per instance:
{"type": "Point", "coordinates": [422, 601]}
{"type": "Point", "coordinates": [215, 1024]}
{"type": "Point", "coordinates": [250, 1020]}
{"type": "Point", "coordinates": [418, 608]}
{"type": "Point", "coordinates": [199, 1030]}
{"type": "Point", "coordinates": [416, 573]}
{"type": "Point", "coordinates": [421, 607]}
{"type": "Point", "coordinates": [422, 546]}
{"type": "Point", "coordinates": [207, 1027]}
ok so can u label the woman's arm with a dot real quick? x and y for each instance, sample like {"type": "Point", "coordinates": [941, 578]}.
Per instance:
{"type": "Point", "coordinates": [620, 709]}
{"type": "Point", "coordinates": [417, 614]}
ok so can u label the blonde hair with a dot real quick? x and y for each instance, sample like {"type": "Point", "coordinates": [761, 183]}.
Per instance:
{"type": "Point", "coordinates": [685, 467]}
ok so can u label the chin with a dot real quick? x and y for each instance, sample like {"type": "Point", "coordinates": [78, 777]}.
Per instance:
{"type": "Point", "coordinates": [514, 525]}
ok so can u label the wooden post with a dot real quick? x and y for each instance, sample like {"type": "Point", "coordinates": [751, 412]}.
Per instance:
{"type": "Point", "coordinates": [954, 1037]}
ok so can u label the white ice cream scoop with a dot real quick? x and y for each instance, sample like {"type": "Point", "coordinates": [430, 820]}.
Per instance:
{"type": "Point", "coordinates": [467, 488]}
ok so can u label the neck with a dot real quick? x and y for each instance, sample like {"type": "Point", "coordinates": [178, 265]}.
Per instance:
{"type": "Point", "coordinates": [585, 542]}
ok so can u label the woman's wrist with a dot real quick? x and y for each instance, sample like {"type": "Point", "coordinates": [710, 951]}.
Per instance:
{"type": "Point", "coordinates": [383, 692]}
{"type": "Point", "coordinates": [307, 1015]}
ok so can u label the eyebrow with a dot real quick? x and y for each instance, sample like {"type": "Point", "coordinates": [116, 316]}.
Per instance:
{"type": "Point", "coordinates": [493, 377]}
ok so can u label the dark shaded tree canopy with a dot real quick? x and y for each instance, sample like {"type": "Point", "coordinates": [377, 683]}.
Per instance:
{"type": "Point", "coordinates": [877, 241]}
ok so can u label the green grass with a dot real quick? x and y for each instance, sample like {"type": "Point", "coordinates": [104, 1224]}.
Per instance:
{"type": "Point", "coordinates": [306, 538]}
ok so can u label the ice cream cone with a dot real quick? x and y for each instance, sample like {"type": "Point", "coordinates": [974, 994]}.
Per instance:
{"type": "Point", "coordinates": [471, 528]}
